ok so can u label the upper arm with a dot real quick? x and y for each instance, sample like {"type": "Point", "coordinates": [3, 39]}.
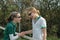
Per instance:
{"type": "Point", "coordinates": [43, 23]}
{"type": "Point", "coordinates": [44, 30]}
{"type": "Point", "coordinates": [44, 27]}
{"type": "Point", "coordinates": [44, 33]}
{"type": "Point", "coordinates": [10, 29]}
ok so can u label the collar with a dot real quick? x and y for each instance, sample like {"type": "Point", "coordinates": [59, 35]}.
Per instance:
{"type": "Point", "coordinates": [38, 17]}
{"type": "Point", "coordinates": [13, 23]}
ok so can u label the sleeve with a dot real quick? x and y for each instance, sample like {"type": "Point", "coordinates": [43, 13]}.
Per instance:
{"type": "Point", "coordinates": [43, 23]}
{"type": "Point", "coordinates": [10, 33]}
{"type": "Point", "coordinates": [16, 33]}
{"type": "Point", "coordinates": [12, 37]}
{"type": "Point", "coordinates": [10, 29]}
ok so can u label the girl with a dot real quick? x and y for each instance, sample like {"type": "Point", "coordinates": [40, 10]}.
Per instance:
{"type": "Point", "coordinates": [9, 33]}
{"type": "Point", "coordinates": [38, 24]}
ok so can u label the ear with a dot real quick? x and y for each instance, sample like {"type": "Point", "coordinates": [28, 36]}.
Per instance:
{"type": "Point", "coordinates": [12, 17]}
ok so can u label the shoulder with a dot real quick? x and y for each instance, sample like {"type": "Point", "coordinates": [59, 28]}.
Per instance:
{"type": "Point", "coordinates": [42, 19]}
{"type": "Point", "coordinates": [9, 25]}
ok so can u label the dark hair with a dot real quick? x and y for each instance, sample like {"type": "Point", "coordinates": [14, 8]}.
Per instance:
{"type": "Point", "coordinates": [12, 15]}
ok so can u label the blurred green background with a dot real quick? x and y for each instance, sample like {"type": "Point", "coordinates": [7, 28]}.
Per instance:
{"type": "Point", "coordinates": [49, 9]}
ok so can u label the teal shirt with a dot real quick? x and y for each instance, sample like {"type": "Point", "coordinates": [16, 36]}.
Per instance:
{"type": "Point", "coordinates": [10, 29]}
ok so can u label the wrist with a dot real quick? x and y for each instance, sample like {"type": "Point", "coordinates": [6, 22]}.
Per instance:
{"type": "Point", "coordinates": [44, 39]}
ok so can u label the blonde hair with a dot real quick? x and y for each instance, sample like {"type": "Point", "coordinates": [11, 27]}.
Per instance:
{"type": "Point", "coordinates": [33, 9]}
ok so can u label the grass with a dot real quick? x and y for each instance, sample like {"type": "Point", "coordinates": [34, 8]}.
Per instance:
{"type": "Point", "coordinates": [52, 38]}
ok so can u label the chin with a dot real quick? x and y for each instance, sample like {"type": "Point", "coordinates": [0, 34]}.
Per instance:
{"type": "Point", "coordinates": [18, 22]}
{"type": "Point", "coordinates": [32, 17]}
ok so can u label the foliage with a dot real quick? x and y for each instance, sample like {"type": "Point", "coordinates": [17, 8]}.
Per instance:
{"type": "Point", "coordinates": [49, 9]}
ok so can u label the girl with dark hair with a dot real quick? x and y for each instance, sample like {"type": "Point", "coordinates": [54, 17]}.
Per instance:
{"type": "Point", "coordinates": [10, 30]}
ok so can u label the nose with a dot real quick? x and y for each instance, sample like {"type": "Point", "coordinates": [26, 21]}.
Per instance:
{"type": "Point", "coordinates": [20, 18]}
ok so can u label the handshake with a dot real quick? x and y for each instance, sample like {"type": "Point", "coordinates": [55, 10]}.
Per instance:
{"type": "Point", "coordinates": [25, 32]}
{"type": "Point", "coordinates": [21, 34]}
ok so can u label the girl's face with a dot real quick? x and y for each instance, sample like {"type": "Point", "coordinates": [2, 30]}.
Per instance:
{"type": "Point", "coordinates": [32, 15]}
{"type": "Point", "coordinates": [18, 18]}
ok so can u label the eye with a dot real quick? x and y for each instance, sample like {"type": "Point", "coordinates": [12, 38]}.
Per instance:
{"type": "Point", "coordinates": [29, 14]}
{"type": "Point", "coordinates": [19, 17]}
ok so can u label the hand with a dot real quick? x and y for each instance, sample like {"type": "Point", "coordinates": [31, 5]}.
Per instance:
{"type": "Point", "coordinates": [21, 34]}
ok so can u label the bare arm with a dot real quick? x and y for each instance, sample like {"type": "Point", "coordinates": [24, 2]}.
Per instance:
{"type": "Point", "coordinates": [44, 33]}
{"type": "Point", "coordinates": [27, 32]}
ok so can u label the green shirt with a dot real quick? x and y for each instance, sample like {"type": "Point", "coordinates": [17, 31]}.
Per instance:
{"type": "Point", "coordinates": [10, 29]}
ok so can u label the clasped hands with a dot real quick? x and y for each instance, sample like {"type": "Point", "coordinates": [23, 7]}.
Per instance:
{"type": "Point", "coordinates": [21, 34]}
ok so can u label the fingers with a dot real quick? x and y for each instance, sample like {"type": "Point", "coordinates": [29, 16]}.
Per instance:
{"type": "Point", "coordinates": [21, 34]}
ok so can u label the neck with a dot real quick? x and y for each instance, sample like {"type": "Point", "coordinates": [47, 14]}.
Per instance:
{"type": "Point", "coordinates": [36, 16]}
{"type": "Point", "coordinates": [14, 21]}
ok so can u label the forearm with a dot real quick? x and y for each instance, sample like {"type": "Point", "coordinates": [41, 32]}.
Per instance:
{"type": "Point", "coordinates": [45, 36]}
{"type": "Point", "coordinates": [28, 32]}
